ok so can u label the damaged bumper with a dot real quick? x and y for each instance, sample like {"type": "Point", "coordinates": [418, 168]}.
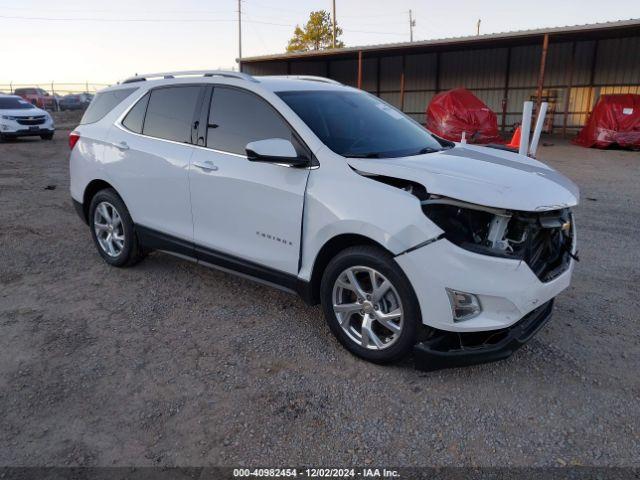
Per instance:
{"type": "Point", "coordinates": [451, 349]}
{"type": "Point", "coordinates": [506, 289]}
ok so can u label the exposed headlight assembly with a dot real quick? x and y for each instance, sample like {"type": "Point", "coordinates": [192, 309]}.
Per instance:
{"type": "Point", "coordinates": [543, 240]}
{"type": "Point", "coordinates": [474, 227]}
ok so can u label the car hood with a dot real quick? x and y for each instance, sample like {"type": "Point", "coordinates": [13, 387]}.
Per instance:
{"type": "Point", "coordinates": [19, 112]}
{"type": "Point", "coordinates": [481, 175]}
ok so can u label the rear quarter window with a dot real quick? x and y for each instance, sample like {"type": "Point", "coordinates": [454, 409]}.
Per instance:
{"type": "Point", "coordinates": [103, 103]}
{"type": "Point", "coordinates": [134, 120]}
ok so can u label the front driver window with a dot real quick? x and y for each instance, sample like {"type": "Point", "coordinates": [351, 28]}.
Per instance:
{"type": "Point", "coordinates": [237, 117]}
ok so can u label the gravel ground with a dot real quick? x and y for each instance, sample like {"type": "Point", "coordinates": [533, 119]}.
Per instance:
{"type": "Point", "coordinates": [170, 363]}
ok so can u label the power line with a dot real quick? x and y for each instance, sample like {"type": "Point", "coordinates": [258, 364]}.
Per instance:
{"type": "Point", "coordinates": [293, 26]}
{"type": "Point", "coordinates": [146, 20]}
{"type": "Point", "coordinates": [170, 20]}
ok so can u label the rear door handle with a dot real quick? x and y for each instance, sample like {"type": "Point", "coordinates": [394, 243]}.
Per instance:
{"type": "Point", "coordinates": [121, 145]}
{"type": "Point", "coordinates": [207, 166]}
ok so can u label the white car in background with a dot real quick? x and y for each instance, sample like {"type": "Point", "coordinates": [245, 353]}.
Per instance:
{"type": "Point", "coordinates": [19, 118]}
{"type": "Point", "coordinates": [408, 241]}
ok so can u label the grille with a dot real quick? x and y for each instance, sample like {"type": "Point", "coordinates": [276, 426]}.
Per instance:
{"type": "Point", "coordinates": [29, 121]}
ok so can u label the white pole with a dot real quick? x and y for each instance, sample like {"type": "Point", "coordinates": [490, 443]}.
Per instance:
{"type": "Point", "coordinates": [239, 35]}
{"type": "Point", "coordinates": [538, 130]}
{"type": "Point", "coordinates": [525, 128]}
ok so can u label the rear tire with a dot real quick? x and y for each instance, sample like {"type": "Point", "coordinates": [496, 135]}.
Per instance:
{"type": "Point", "coordinates": [370, 305]}
{"type": "Point", "coordinates": [112, 230]}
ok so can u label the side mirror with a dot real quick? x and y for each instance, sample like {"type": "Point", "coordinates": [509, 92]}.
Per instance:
{"type": "Point", "coordinates": [275, 150]}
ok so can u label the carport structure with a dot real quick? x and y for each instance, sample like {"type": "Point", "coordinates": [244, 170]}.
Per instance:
{"type": "Point", "coordinates": [568, 66]}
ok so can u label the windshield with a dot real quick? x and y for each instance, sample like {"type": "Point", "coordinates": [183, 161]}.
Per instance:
{"type": "Point", "coordinates": [10, 103]}
{"type": "Point", "coordinates": [356, 124]}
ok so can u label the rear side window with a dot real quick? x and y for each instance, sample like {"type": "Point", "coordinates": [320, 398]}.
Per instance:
{"type": "Point", "coordinates": [170, 113]}
{"type": "Point", "coordinates": [103, 103]}
{"type": "Point", "coordinates": [135, 118]}
{"type": "Point", "coordinates": [237, 117]}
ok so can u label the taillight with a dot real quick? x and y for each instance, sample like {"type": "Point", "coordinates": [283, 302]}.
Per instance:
{"type": "Point", "coordinates": [73, 139]}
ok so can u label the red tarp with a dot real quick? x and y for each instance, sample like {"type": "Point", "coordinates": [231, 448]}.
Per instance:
{"type": "Point", "coordinates": [455, 111]}
{"type": "Point", "coordinates": [614, 120]}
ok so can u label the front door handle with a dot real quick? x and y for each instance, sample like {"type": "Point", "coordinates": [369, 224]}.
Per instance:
{"type": "Point", "coordinates": [121, 145]}
{"type": "Point", "coordinates": [207, 166]}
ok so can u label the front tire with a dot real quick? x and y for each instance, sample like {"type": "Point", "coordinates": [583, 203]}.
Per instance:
{"type": "Point", "coordinates": [370, 305]}
{"type": "Point", "coordinates": [112, 230]}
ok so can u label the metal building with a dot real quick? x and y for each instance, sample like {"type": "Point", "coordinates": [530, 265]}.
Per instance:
{"type": "Point", "coordinates": [567, 66]}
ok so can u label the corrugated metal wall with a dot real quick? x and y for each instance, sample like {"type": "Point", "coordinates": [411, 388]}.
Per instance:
{"type": "Point", "coordinates": [599, 67]}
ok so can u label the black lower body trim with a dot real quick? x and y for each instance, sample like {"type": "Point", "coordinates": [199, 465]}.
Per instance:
{"type": "Point", "coordinates": [453, 349]}
{"type": "Point", "coordinates": [79, 207]}
{"type": "Point", "coordinates": [153, 239]}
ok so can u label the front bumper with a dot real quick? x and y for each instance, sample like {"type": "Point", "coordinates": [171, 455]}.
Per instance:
{"type": "Point", "coordinates": [28, 133]}
{"type": "Point", "coordinates": [450, 349]}
{"type": "Point", "coordinates": [11, 128]}
{"type": "Point", "coordinates": [507, 289]}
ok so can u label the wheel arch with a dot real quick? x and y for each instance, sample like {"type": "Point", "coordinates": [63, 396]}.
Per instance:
{"type": "Point", "coordinates": [329, 250]}
{"type": "Point", "coordinates": [90, 190]}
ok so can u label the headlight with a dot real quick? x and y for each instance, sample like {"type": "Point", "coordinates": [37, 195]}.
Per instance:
{"type": "Point", "coordinates": [464, 224]}
{"type": "Point", "coordinates": [8, 117]}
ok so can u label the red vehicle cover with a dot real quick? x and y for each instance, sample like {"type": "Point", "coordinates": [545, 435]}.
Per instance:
{"type": "Point", "coordinates": [615, 120]}
{"type": "Point", "coordinates": [455, 111]}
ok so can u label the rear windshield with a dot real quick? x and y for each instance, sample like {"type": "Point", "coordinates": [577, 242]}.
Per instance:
{"type": "Point", "coordinates": [359, 125]}
{"type": "Point", "coordinates": [103, 103]}
{"type": "Point", "coordinates": [14, 104]}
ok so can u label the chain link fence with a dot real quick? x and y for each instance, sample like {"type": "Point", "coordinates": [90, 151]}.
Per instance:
{"type": "Point", "coordinates": [49, 94]}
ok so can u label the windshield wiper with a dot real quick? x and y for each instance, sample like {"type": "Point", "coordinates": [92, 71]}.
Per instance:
{"type": "Point", "coordinates": [362, 155]}
{"type": "Point", "coordinates": [427, 150]}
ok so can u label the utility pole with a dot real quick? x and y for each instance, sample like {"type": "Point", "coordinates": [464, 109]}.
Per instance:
{"type": "Point", "coordinates": [334, 24]}
{"type": "Point", "coordinates": [412, 23]}
{"type": "Point", "coordinates": [240, 35]}
{"type": "Point", "coordinates": [478, 26]}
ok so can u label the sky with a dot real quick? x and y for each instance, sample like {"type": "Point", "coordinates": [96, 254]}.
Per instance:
{"type": "Point", "coordinates": [106, 41]}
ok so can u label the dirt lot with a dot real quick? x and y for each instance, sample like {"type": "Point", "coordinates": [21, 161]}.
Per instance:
{"type": "Point", "coordinates": [169, 363]}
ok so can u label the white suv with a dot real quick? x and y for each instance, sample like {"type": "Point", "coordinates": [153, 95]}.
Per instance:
{"type": "Point", "coordinates": [409, 241]}
{"type": "Point", "coordinates": [19, 118]}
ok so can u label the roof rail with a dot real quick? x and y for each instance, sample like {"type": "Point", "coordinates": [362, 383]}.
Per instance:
{"type": "Point", "coordinates": [312, 78]}
{"type": "Point", "coordinates": [191, 73]}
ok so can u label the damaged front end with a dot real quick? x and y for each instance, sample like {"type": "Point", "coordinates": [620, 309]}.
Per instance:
{"type": "Point", "coordinates": [543, 240]}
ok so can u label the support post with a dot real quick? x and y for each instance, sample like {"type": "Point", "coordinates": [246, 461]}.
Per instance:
{"type": "Point", "coordinates": [592, 78]}
{"type": "Point", "coordinates": [360, 69]}
{"type": "Point", "coordinates": [505, 92]}
{"type": "Point", "coordinates": [438, 72]}
{"type": "Point", "coordinates": [402, 85]}
{"type": "Point", "coordinates": [543, 62]}
{"type": "Point", "coordinates": [378, 75]}
{"type": "Point", "coordinates": [568, 90]}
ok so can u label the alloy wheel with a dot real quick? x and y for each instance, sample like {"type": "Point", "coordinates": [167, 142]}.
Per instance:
{"type": "Point", "coordinates": [109, 229]}
{"type": "Point", "coordinates": [367, 307]}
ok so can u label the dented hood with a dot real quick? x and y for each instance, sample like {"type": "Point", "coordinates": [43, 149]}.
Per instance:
{"type": "Point", "coordinates": [480, 175]}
